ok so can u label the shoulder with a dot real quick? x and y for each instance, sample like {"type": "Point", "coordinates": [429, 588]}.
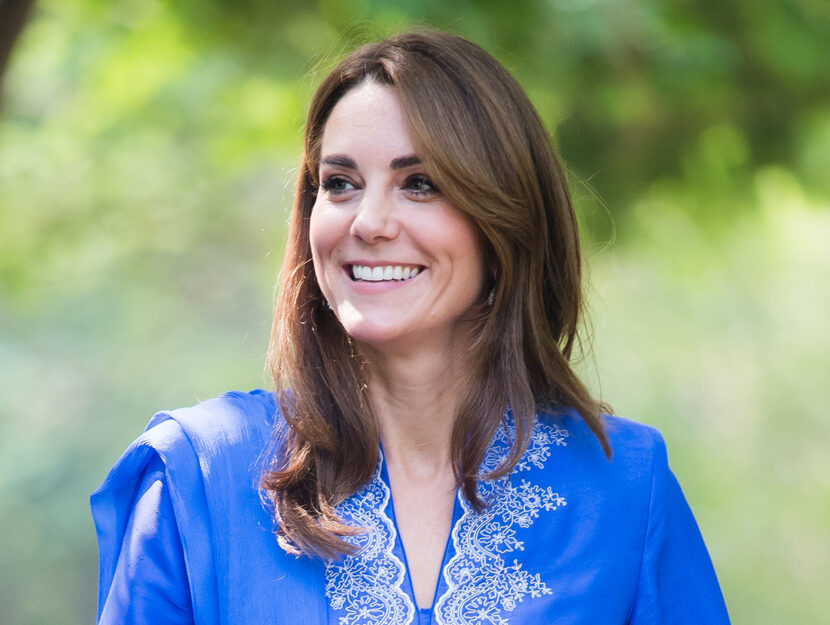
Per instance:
{"type": "Point", "coordinates": [630, 441]}
{"type": "Point", "coordinates": [215, 437]}
{"type": "Point", "coordinates": [211, 455]}
{"type": "Point", "coordinates": [234, 418]}
{"type": "Point", "coordinates": [638, 451]}
{"type": "Point", "coordinates": [226, 436]}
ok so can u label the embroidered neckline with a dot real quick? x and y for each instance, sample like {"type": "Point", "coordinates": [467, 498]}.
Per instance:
{"type": "Point", "coordinates": [482, 584]}
{"type": "Point", "coordinates": [367, 587]}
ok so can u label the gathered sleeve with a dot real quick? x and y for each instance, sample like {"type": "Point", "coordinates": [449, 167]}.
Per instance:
{"type": "Point", "coordinates": [183, 536]}
{"type": "Point", "coordinates": [154, 541]}
{"type": "Point", "coordinates": [149, 582]}
{"type": "Point", "coordinates": [677, 582]}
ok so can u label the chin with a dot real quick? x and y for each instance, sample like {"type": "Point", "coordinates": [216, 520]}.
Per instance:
{"type": "Point", "coordinates": [376, 327]}
{"type": "Point", "coordinates": [374, 335]}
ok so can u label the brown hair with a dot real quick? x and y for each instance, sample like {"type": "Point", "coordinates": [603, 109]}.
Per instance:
{"type": "Point", "coordinates": [483, 144]}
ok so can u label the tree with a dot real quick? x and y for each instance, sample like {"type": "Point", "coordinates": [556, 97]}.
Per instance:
{"type": "Point", "coordinates": [13, 17]}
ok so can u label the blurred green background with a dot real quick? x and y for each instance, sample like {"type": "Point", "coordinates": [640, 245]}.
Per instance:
{"type": "Point", "coordinates": [147, 159]}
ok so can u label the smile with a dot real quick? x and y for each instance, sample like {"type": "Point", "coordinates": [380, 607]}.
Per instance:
{"type": "Point", "coordinates": [384, 273]}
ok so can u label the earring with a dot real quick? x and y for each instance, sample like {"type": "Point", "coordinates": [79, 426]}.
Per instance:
{"type": "Point", "coordinates": [491, 298]}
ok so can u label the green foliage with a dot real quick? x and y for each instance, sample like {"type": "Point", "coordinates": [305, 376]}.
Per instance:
{"type": "Point", "coordinates": [147, 156]}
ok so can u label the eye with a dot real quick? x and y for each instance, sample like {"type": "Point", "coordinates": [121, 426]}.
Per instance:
{"type": "Point", "coordinates": [420, 184]}
{"type": "Point", "coordinates": [335, 185]}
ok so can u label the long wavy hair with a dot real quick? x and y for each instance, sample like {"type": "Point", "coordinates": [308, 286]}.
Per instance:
{"type": "Point", "coordinates": [484, 145]}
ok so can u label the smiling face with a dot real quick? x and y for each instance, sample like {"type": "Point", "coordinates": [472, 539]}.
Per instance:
{"type": "Point", "coordinates": [397, 263]}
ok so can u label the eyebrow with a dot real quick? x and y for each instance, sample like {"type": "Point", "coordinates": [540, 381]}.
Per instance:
{"type": "Point", "coordinates": [403, 162]}
{"type": "Point", "coordinates": [341, 160]}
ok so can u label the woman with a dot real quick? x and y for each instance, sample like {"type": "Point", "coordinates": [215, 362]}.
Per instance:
{"type": "Point", "coordinates": [431, 457]}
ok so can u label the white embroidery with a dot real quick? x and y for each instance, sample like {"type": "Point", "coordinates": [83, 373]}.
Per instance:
{"type": "Point", "coordinates": [367, 587]}
{"type": "Point", "coordinates": [542, 436]}
{"type": "Point", "coordinates": [481, 585]}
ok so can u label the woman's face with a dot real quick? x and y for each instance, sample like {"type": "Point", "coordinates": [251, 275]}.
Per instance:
{"type": "Point", "coordinates": [397, 263]}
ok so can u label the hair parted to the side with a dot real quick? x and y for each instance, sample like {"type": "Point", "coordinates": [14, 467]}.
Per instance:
{"type": "Point", "coordinates": [484, 145]}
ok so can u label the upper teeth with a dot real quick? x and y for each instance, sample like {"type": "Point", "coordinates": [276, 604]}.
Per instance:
{"type": "Point", "coordinates": [389, 272]}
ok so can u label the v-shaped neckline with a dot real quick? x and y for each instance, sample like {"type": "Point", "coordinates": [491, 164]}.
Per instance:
{"type": "Point", "coordinates": [374, 584]}
{"type": "Point", "coordinates": [440, 583]}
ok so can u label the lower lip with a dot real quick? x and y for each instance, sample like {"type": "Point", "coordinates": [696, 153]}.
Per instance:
{"type": "Point", "coordinates": [366, 287]}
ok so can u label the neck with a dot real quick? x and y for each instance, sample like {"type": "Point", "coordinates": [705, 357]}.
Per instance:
{"type": "Point", "coordinates": [415, 397]}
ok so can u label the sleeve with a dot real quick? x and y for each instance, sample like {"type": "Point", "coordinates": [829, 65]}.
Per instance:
{"type": "Point", "coordinates": [677, 582]}
{"type": "Point", "coordinates": [149, 583]}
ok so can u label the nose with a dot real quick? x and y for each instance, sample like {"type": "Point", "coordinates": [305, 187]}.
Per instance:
{"type": "Point", "coordinates": [375, 219]}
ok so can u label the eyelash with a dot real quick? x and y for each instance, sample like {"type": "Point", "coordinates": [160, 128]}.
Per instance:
{"type": "Point", "coordinates": [421, 179]}
{"type": "Point", "coordinates": [332, 185]}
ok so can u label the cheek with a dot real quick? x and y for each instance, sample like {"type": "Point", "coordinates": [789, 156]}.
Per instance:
{"type": "Point", "coordinates": [322, 239]}
{"type": "Point", "coordinates": [468, 242]}
{"type": "Point", "coordinates": [323, 233]}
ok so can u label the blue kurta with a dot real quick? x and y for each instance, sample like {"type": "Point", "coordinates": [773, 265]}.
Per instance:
{"type": "Point", "coordinates": [568, 538]}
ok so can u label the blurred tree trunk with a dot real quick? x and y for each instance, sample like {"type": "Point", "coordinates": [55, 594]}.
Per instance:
{"type": "Point", "coordinates": [13, 16]}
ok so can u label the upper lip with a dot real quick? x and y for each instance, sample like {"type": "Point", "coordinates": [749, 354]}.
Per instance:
{"type": "Point", "coordinates": [382, 263]}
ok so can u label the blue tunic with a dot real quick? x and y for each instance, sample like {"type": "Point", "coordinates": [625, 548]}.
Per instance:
{"type": "Point", "coordinates": [568, 538]}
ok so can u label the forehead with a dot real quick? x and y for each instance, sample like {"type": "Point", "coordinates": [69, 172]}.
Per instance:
{"type": "Point", "coordinates": [369, 117]}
